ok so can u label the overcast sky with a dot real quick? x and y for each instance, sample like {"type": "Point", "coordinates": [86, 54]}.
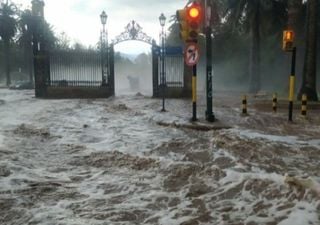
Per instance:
{"type": "Point", "coordinates": [80, 18]}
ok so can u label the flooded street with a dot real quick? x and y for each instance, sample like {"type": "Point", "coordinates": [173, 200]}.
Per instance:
{"type": "Point", "coordinates": [121, 161]}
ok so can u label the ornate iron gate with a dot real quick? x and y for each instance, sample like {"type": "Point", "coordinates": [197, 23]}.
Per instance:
{"type": "Point", "coordinates": [177, 82]}
{"type": "Point", "coordinates": [72, 74]}
{"type": "Point", "coordinates": [69, 73]}
{"type": "Point", "coordinates": [82, 74]}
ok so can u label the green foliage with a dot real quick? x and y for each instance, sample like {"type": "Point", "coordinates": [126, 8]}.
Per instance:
{"type": "Point", "coordinates": [234, 37]}
{"type": "Point", "coordinates": [25, 28]}
{"type": "Point", "coordinates": [17, 28]}
{"type": "Point", "coordinates": [8, 24]}
{"type": "Point", "coordinates": [230, 59]}
{"type": "Point", "coordinates": [44, 32]}
{"type": "Point", "coordinates": [173, 38]}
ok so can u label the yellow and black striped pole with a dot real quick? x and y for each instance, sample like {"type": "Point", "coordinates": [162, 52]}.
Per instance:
{"type": "Point", "coordinates": [274, 102]}
{"type": "Point", "coordinates": [194, 92]}
{"type": "Point", "coordinates": [304, 105]}
{"type": "Point", "coordinates": [292, 81]}
{"type": "Point", "coordinates": [244, 105]}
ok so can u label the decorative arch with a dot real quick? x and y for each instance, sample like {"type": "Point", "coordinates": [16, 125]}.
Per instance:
{"type": "Point", "coordinates": [133, 31]}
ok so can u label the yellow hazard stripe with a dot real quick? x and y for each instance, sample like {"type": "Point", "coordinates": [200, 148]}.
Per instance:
{"type": "Point", "coordinates": [194, 88]}
{"type": "Point", "coordinates": [304, 98]}
{"type": "Point", "coordinates": [291, 88]}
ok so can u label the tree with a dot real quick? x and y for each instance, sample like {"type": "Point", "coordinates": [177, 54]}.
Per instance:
{"type": "Point", "coordinates": [63, 41]}
{"type": "Point", "coordinates": [8, 29]}
{"type": "Point", "coordinates": [174, 30]}
{"type": "Point", "coordinates": [30, 25]}
{"type": "Point", "coordinates": [44, 33]}
{"type": "Point", "coordinates": [310, 62]}
{"type": "Point", "coordinates": [248, 16]}
{"type": "Point", "coordinates": [78, 46]}
{"type": "Point", "coordinates": [296, 19]}
{"type": "Point", "coordinates": [25, 39]}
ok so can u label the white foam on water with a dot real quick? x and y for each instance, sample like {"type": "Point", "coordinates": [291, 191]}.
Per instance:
{"type": "Point", "coordinates": [273, 138]}
{"type": "Point", "coordinates": [96, 126]}
{"type": "Point", "coordinates": [302, 213]}
{"type": "Point", "coordinates": [235, 176]}
{"type": "Point", "coordinates": [2, 138]}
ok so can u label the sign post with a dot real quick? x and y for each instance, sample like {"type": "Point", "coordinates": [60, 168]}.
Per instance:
{"type": "Point", "coordinates": [287, 45]}
{"type": "Point", "coordinates": [190, 19]}
{"type": "Point", "coordinates": [191, 59]}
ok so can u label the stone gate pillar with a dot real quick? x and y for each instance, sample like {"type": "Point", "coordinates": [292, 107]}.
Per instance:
{"type": "Point", "coordinates": [37, 8]}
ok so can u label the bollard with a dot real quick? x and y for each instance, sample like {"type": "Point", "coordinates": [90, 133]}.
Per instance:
{"type": "Point", "coordinates": [244, 105]}
{"type": "Point", "coordinates": [304, 105]}
{"type": "Point", "coordinates": [274, 102]}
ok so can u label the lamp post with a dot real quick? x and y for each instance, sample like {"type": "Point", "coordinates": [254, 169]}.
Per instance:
{"type": "Point", "coordinates": [104, 46]}
{"type": "Point", "coordinates": [162, 20]}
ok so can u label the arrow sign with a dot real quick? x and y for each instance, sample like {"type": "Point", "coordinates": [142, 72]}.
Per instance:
{"type": "Point", "coordinates": [192, 54]}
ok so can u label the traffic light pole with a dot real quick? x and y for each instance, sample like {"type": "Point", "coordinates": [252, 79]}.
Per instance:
{"type": "Point", "coordinates": [209, 114]}
{"type": "Point", "coordinates": [292, 82]}
{"type": "Point", "coordinates": [190, 21]}
{"type": "Point", "coordinates": [194, 92]}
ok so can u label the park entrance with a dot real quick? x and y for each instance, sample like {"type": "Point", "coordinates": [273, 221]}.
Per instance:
{"type": "Point", "coordinates": [172, 82]}
{"type": "Point", "coordinates": [91, 73]}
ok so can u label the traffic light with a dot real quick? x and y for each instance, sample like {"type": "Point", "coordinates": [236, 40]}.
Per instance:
{"type": "Point", "coordinates": [190, 19]}
{"type": "Point", "coordinates": [183, 24]}
{"type": "Point", "coordinates": [287, 41]}
{"type": "Point", "coordinates": [194, 18]}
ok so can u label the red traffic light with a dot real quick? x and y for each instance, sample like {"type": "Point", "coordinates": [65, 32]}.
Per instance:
{"type": "Point", "coordinates": [194, 17]}
{"type": "Point", "coordinates": [287, 40]}
{"type": "Point", "coordinates": [190, 19]}
{"type": "Point", "coordinates": [194, 12]}
{"type": "Point", "coordinates": [288, 35]}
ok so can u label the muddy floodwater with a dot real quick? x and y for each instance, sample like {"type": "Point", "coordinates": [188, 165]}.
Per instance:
{"type": "Point", "coordinates": [121, 161]}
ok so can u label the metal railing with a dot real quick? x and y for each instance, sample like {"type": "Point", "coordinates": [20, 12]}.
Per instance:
{"type": "Point", "coordinates": [75, 68]}
{"type": "Point", "coordinates": [173, 71]}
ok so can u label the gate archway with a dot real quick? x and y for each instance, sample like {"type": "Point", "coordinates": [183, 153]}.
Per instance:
{"type": "Point", "coordinates": [177, 83]}
{"type": "Point", "coordinates": [133, 75]}
{"type": "Point", "coordinates": [133, 31]}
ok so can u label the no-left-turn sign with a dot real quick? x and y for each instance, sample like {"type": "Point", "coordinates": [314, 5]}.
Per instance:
{"type": "Point", "coordinates": [192, 55]}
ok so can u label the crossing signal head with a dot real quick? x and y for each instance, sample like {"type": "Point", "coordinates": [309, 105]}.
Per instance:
{"type": "Point", "coordinates": [287, 41]}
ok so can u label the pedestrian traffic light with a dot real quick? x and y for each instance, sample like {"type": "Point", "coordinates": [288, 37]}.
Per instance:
{"type": "Point", "coordinates": [287, 42]}
{"type": "Point", "coordinates": [190, 19]}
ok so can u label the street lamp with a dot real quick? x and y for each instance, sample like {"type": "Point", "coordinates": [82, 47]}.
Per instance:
{"type": "Point", "coordinates": [162, 20]}
{"type": "Point", "coordinates": [103, 18]}
{"type": "Point", "coordinates": [104, 45]}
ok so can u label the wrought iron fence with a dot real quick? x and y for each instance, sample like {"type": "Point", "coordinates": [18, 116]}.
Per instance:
{"type": "Point", "coordinates": [173, 71]}
{"type": "Point", "coordinates": [75, 68]}
{"type": "Point", "coordinates": [176, 80]}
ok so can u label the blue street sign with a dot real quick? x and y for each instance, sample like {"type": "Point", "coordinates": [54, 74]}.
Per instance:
{"type": "Point", "coordinates": [174, 50]}
{"type": "Point", "coordinates": [170, 50]}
